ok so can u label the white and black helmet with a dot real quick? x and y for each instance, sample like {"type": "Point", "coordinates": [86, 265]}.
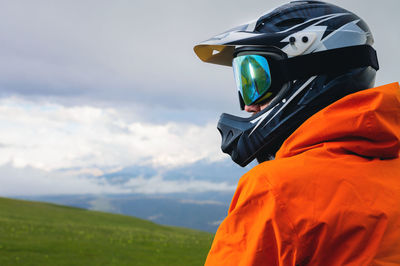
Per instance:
{"type": "Point", "coordinates": [315, 53]}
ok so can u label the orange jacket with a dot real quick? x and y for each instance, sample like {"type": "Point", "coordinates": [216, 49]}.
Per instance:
{"type": "Point", "coordinates": [331, 196]}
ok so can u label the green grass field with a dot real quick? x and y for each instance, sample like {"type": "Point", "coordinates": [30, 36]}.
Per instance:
{"type": "Point", "coordinates": [33, 233]}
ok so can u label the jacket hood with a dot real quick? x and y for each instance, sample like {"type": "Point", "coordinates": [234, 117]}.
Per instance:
{"type": "Point", "coordinates": [366, 123]}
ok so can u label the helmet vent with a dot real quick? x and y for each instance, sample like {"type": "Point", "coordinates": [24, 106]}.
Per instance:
{"type": "Point", "coordinates": [285, 24]}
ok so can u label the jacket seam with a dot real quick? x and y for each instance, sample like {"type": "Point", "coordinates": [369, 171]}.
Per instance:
{"type": "Point", "coordinates": [282, 206]}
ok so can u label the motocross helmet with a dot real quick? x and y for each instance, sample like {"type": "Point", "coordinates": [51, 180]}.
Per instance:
{"type": "Point", "coordinates": [298, 58]}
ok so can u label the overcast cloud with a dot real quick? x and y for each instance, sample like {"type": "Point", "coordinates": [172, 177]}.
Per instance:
{"type": "Point", "coordinates": [93, 86]}
{"type": "Point", "coordinates": [51, 136]}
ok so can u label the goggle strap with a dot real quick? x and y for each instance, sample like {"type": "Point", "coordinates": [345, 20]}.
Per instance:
{"type": "Point", "coordinates": [335, 61]}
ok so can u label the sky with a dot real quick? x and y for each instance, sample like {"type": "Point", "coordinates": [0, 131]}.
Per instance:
{"type": "Point", "coordinates": [88, 88]}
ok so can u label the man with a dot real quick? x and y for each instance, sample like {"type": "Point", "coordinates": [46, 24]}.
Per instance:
{"type": "Point", "coordinates": [327, 189]}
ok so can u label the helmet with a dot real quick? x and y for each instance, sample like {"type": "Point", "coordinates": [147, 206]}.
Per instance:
{"type": "Point", "coordinates": [312, 53]}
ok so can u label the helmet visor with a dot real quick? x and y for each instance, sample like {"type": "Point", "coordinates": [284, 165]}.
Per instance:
{"type": "Point", "coordinates": [253, 77]}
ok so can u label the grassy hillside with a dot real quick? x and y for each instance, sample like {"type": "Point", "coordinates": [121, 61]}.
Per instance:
{"type": "Point", "coordinates": [33, 233]}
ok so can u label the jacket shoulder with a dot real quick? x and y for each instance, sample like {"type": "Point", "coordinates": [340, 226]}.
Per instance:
{"type": "Point", "coordinates": [339, 210]}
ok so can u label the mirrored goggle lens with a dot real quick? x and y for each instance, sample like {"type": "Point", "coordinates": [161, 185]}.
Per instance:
{"type": "Point", "coordinates": [253, 77]}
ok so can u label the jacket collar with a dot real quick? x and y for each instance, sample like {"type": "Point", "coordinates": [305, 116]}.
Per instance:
{"type": "Point", "coordinates": [366, 123]}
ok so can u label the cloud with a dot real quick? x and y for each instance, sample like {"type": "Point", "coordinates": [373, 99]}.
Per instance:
{"type": "Point", "coordinates": [157, 185]}
{"type": "Point", "coordinates": [88, 88]}
{"type": "Point", "coordinates": [128, 54]}
{"type": "Point", "coordinates": [29, 181]}
{"type": "Point", "coordinates": [103, 52]}
{"type": "Point", "coordinates": [50, 149]}
{"type": "Point", "coordinates": [51, 136]}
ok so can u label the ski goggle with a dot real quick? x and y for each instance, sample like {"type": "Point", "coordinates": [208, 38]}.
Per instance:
{"type": "Point", "coordinates": [253, 77]}
{"type": "Point", "coordinates": [253, 70]}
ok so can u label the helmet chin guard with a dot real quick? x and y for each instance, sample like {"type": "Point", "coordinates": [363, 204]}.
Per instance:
{"type": "Point", "coordinates": [244, 138]}
{"type": "Point", "coordinates": [260, 136]}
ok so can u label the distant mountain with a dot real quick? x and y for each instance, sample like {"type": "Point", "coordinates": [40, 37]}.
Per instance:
{"type": "Point", "coordinates": [195, 207]}
{"type": "Point", "coordinates": [202, 211]}
{"type": "Point", "coordinates": [219, 171]}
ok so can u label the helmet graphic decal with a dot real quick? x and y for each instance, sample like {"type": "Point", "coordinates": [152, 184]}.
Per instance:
{"type": "Point", "coordinates": [348, 35]}
{"type": "Point", "coordinates": [316, 20]}
{"type": "Point", "coordinates": [285, 103]}
{"type": "Point", "coordinates": [313, 36]}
